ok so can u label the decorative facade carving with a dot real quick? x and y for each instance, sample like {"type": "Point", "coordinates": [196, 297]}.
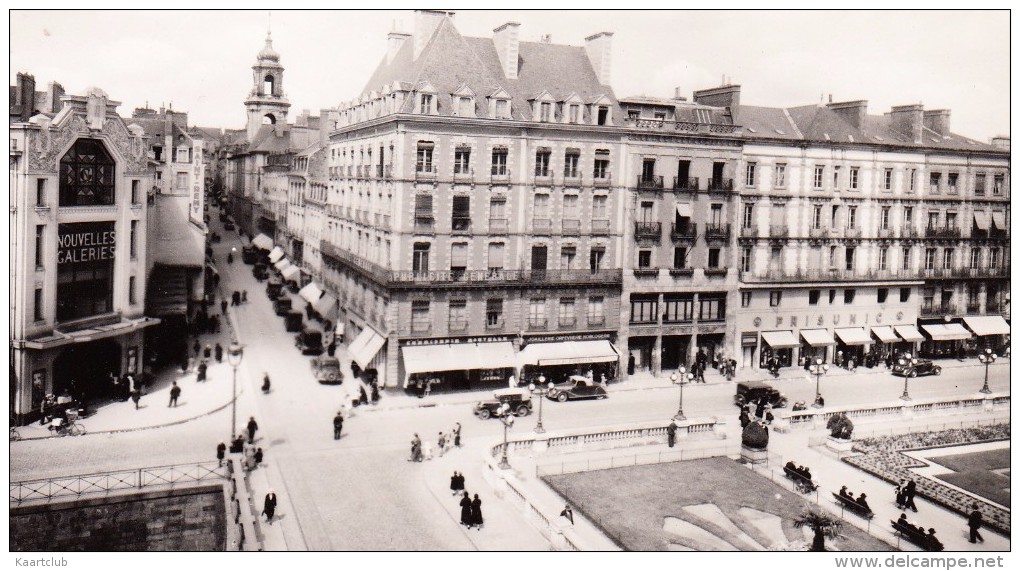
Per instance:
{"type": "Point", "coordinates": [45, 143]}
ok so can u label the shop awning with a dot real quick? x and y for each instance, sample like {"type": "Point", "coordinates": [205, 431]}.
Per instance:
{"type": "Point", "coordinates": [282, 264]}
{"type": "Point", "coordinates": [987, 325]}
{"type": "Point", "coordinates": [310, 293]}
{"type": "Point", "coordinates": [568, 353]}
{"type": "Point", "coordinates": [684, 209]}
{"type": "Point", "coordinates": [779, 339]}
{"type": "Point", "coordinates": [999, 219]}
{"type": "Point", "coordinates": [981, 220]}
{"type": "Point", "coordinates": [885, 334]}
{"type": "Point", "coordinates": [262, 241]}
{"type": "Point", "coordinates": [817, 337]}
{"type": "Point", "coordinates": [276, 254]}
{"type": "Point", "coordinates": [325, 306]}
{"type": "Point", "coordinates": [365, 347]}
{"type": "Point", "coordinates": [854, 335]}
{"type": "Point", "coordinates": [457, 357]}
{"type": "Point", "coordinates": [908, 333]}
{"type": "Point", "coordinates": [290, 273]}
{"type": "Point", "coordinates": [946, 332]}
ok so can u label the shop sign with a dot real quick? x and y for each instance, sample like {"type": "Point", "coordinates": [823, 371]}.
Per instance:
{"type": "Point", "coordinates": [822, 320]}
{"type": "Point", "coordinates": [85, 242]}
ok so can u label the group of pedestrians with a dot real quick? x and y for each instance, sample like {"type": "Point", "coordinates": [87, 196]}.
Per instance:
{"type": "Point", "coordinates": [422, 450]}
{"type": "Point", "coordinates": [905, 492]}
{"type": "Point", "coordinates": [471, 511]}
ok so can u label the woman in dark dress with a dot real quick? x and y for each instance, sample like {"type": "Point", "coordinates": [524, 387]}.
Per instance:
{"type": "Point", "coordinates": [476, 512]}
{"type": "Point", "coordinates": [465, 510]}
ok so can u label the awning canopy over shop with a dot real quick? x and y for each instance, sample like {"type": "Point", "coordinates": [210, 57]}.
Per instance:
{"type": "Point", "coordinates": [946, 332]}
{"type": "Point", "coordinates": [683, 209]}
{"type": "Point", "coordinates": [568, 353]}
{"type": "Point", "coordinates": [281, 264]}
{"type": "Point", "coordinates": [885, 334]}
{"type": "Point", "coordinates": [817, 337]}
{"type": "Point", "coordinates": [854, 335]}
{"type": "Point", "coordinates": [325, 306]}
{"type": "Point", "coordinates": [276, 254]}
{"type": "Point", "coordinates": [310, 293]}
{"type": "Point", "coordinates": [981, 220]}
{"type": "Point", "coordinates": [908, 333]}
{"type": "Point", "coordinates": [365, 347]}
{"type": "Point", "coordinates": [290, 273]}
{"type": "Point", "coordinates": [779, 339]}
{"type": "Point", "coordinates": [457, 357]}
{"type": "Point", "coordinates": [999, 219]}
{"type": "Point", "coordinates": [262, 241]}
{"type": "Point", "coordinates": [987, 325]}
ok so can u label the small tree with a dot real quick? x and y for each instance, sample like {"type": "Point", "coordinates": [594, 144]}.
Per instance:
{"type": "Point", "coordinates": [756, 435]}
{"type": "Point", "coordinates": [840, 426]}
{"type": "Point", "coordinates": [823, 525]}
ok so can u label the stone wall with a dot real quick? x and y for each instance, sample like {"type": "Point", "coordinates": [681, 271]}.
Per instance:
{"type": "Point", "coordinates": [190, 519]}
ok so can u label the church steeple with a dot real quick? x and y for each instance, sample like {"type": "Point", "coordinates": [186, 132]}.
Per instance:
{"type": "Point", "coordinates": [266, 102]}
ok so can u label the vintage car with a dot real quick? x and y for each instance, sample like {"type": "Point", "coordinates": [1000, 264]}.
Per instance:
{"type": "Point", "coordinates": [293, 321]}
{"type": "Point", "coordinates": [309, 342]}
{"type": "Point", "coordinates": [577, 388]}
{"type": "Point", "coordinates": [327, 370]}
{"type": "Point", "coordinates": [915, 367]}
{"type": "Point", "coordinates": [518, 399]}
{"type": "Point", "coordinates": [274, 288]}
{"type": "Point", "coordinates": [229, 225]}
{"type": "Point", "coordinates": [260, 271]}
{"type": "Point", "coordinates": [282, 305]}
{"type": "Point", "coordinates": [752, 391]}
{"type": "Point", "coordinates": [249, 255]}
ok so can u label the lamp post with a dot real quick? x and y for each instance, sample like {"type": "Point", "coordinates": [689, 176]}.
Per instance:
{"type": "Point", "coordinates": [508, 421]}
{"type": "Point", "coordinates": [987, 358]}
{"type": "Point", "coordinates": [818, 369]}
{"type": "Point", "coordinates": [681, 377]}
{"type": "Point", "coordinates": [234, 355]}
{"type": "Point", "coordinates": [903, 361]}
{"type": "Point", "coordinates": [542, 389]}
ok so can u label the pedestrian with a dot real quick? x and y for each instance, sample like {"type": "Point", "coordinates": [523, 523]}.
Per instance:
{"type": "Point", "coordinates": [215, 320]}
{"type": "Point", "coordinates": [908, 495]}
{"type": "Point", "coordinates": [454, 483]}
{"type": "Point", "coordinates": [221, 452]}
{"type": "Point", "coordinates": [901, 492]}
{"type": "Point", "coordinates": [465, 510]}
{"type": "Point", "coordinates": [476, 512]}
{"type": "Point", "coordinates": [428, 387]}
{"type": "Point", "coordinates": [175, 392]}
{"type": "Point", "coordinates": [759, 410]}
{"type": "Point", "coordinates": [441, 444]}
{"type": "Point", "coordinates": [185, 364]}
{"type": "Point", "coordinates": [375, 392]}
{"type": "Point", "coordinates": [338, 424]}
{"type": "Point", "coordinates": [207, 352]}
{"type": "Point", "coordinates": [197, 347]}
{"type": "Point", "coordinates": [269, 506]}
{"type": "Point", "coordinates": [671, 433]}
{"type": "Point", "coordinates": [219, 353]}
{"type": "Point", "coordinates": [252, 427]}
{"type": "Point", "coordinates": [258, 456]}
{"type": "Point", "coordinates": [363, 398]}
{"type": "Point", "coordinates": [202, 368]}
{"type": "Point", "coordinates": [223, 306]}
{"type": "Point", "coordinates": [244, 296]}
{"type": "Point", "coordinates": [456, 434]}
{"type": "Point", "coordinates": [512, 382]}
{"type": "Point", "coordinates": [249, 457]}
{"type": "Point", "coordinates": [974, 523]}
{"type": "Point", "coordinates": [136, 395]}
{"type": "Point", "coordinates": [235, 298]}
{"type": "Point", "coordinates": [265, 383]}
{"type": "Point", "coordinates": [415, 449]}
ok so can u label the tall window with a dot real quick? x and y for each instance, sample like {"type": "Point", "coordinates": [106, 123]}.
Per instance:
{"type": "Point", "coordinates": [595, 257]}
{"type": "Point", "coordinates": [713, 258]}
{"type": "Point", "coordinates": [499, 159]}
{"type": "Point", "coordinates": [420, 319]}
{"type": "Point", "coordinates": [497, 210]}
{"type": "Point", "coordinates": [134, 239]}
{"type": "Point", "coordinates": [545, 111]}
{"type": "Point", "coordinates": [85, 257]}
{"type": "Point", "coordinates": [908, 216]}
{"type": "Point", "coordinates": [570, 161]}
{"type": "Point", "coordinates": [567, 316]}
{"type": "Point", "coordinates": [712, 308]}
{"type": "Point", "coordinates": [596, 310]}
{"type": "Point", "coordinates": [86, 175]}
{"type": "Point", "coordinates": [542, 162]}
{"type": "Point", "coordinates": [568, 257]}
{"type": "Point", "coordinates": [678, 309]}
{"type": "Point", "coordinates": [933, 182]}
{"type": "Point", "coordinates": [574, 113]}
{"type": "Point", "coordinates": [502, 109]}
{"type": "Point", "coordinates": [644, 309]}
{"type": "Point", "coordinates": [819, 176]}
{"type": "Point", "coordinates": [493, 312]}
{"type": "Point", "coordinates": [851, 217]}
{"type": "Point", "coordinates": [745, 259]}
{"type": "Point", "coordinates": [745, 299]}
{"type": "Point", "coordinates": [420, 258]}
{"type": "Point", "coordinates": [855, 175]}
{"type": "Point", "coordinates": [495, 256]}
{"type": "Point", "coordinates": [998, 183]}
{"type": "Point", "coordinates": [424, 163]}
{"type": "Point", "coordinates": [462, 160]}
{"type": "Point", "coordinates": [905, 256]}
{"type": "Point", "coordinates": [426, 104]}
{"type": "Point", "coordinates": [37, 305]}
{"type": "Point", "coordinates": [887, 181]}
{"type": "Point", "coordinates": [816, 217]}
{"type": "Point", "coordinates": [536, 312]}
{"type": "Point", "coordinates": [40, 192]}
{"type": "Point", "coordinates": [993, 257]}
{"type": "Point", "coordinates": [134, 192]}
{"type": "Point", "coordinates": [951, 220]}
{"type": "Point", "coordinates": [679, 257]}
{"type": "Point", "coordinates": [883, 294]}
{"type": "Point", "coordinates": [644, 259]}
{"type": "Point", "coordinates": [980, 180]}
{"type": "Point", "coordinates": [131, 290]}
{"type": "Point", "coordinates": [975, 258]}
{"type": "Point", "coordinates": [458, 314]}
{"type": "Point", "coordinates": [884, 222]}
{"type": "Point", "coordinates": [40, 233]}
{"type": "Point", "coordinates": [947, 259]}
{"type": "Point", "coordinates": [748, 220]}
{"type": "Point", "coordinates": [883, 258]}
{"type": "Point", "coordinates": [598, 207]}
{"type": "Point", "coordinates": [458, 258]}
{"type": "Point", "coordinates": [541, 208]}
{"type": "Point", "coordinates": [929, 258]}
{"type": "Point", "coordinates": [951, 180]}
{"type": "Point", "coordinates": [933, 220]}
{"type": "Point", "coordinates": [813, 296]}
{"type": "Point", "coordinates": [750, 180]}
{"type": "Point", "coordinates": [570, 207]}
{"type": "Point", "coordinates": [461, 219]}
{"type": "Point", "coordinates": [913, 179]}
{"type": "Point", "coordinates": [780, 175]}
{"type": "Point", "coordinates": [715, 215]}
{"type": "Point", "coordinates": [601, 163]}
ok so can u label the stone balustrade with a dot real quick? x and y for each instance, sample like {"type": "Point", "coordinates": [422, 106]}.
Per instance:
{"type": "Point", "coordinates": [814, 418]}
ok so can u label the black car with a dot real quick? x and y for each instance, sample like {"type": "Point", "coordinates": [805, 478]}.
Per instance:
{"type": "Point", "coordinates": [518, 399]}
{"type": "Point", "coordinates": [752, 391]}
{"type": "Point", "coordinates": [282, 305]}
{"type": "Point", "coordinates": [228, 225]}
{"type": "Point", "coordinates": [577, 389]}
{"type": "Point", "coordinates": [309, 342]}
{"type": "Point", "coordinates": [915, 367]}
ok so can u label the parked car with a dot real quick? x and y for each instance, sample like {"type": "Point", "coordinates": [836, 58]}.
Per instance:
{"type": "Point", "coordinates": [293, 321]}
{"type": "Point", "coordinates": [282, 305]}
{"type": "Point", "coordinates": [249, 255]}
{"type": "Point", "coordinates": [915, 367]}
{"type": "Point", "coordinates": [577, 388]}
{"type": "Point", "coordinates": [260, 271]}
{"type": "Point", "coordinates": [327, 370]}
{"type": "Point", "coordinates": [751, 391]}
{"type": "Point", "coordinates": [274, 287]}
{"type": "Point", "coordinates": [518, 399]}
{"type": "Point", "coordinates": [309, 342]}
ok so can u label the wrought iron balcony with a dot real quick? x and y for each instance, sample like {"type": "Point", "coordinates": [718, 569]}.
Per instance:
{"type": "Point", "coordinates": [499, 175]}
{"type": "Point", "coordinates": [716, 272]}
{"type": "Point", "coordinates": [460, 224]}
{"type": "Point", "coordinates": [819, 233]}
{"type": "Point", "coordinates": [946, 232]}
{"type": "Point", "coordinates": [828, 275]}
{"type": "Point", "coordinates": [646, 272]}
{"type": "Point", "coordinates": [596, 320]}
{"type": "Point", "coordinates": [717, 231]}
{"type": "Point", "coordinates": [504, 277]}
{"type": "Point", "coordinates": [688, 183]}
{"type": "Point", "coordinates": [651, 230]}
{"type": "Point", "coordinates": [567, 322]}
{"type": "Point", "coordinates": [933, 309]}
{"type": "Point", "coordinates": [498, 225]}
{"type": "Point", "coordinates": [600, 227]}
{"type": "Point", "coordinates": [649, 182]}
{"type": "Point", "coordinates": [852, 233]}
{"type": "Point", "coordinates": [571, 227]}
{"type": "Point", "coordinates": [419, 328]}
{"type": "Point", "coordinates": [909, 231]}
{"type": "Point", "coordinates": [681, 272]}
{"type": "Point", "coordinates": [537, 323]}
{"type": "Point", "coordinates": [885, 233]}
{"type": "Point", "coordinates": [457, 325]}
{"type": "Point", "coordinates": [684, 231]}
{"type": "Point", "coordinates": [605, 180]}
{"type": "Point", "coordinates": [463, 175]}
{"type": "Point", "coordinates": [779, 231]}
{"type": "Point", "coordinates": [720, 184]}
{"type": "Point", "coordinates": [426, 173]}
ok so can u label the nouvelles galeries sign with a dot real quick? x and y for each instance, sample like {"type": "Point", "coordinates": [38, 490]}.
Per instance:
{"type": "Point", "coordinates": [85, 242]}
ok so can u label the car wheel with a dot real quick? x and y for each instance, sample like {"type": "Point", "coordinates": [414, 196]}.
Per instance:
{"type": "Point", "coordinates": [484, 414]}
{"type": "Point", "coordinates": [523, 410]}
{"type": "Point", "coordinates": [936, 371]}
{"type": "Point", "coordinates": [601, 396]}
{"type": "Point", "coordinates": [912, 373]}
{"type": "Point", "coordinates": [562, 397]}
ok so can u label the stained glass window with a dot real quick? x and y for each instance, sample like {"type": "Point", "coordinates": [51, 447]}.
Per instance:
{"type": "Point", "coordinates": [86, 175]}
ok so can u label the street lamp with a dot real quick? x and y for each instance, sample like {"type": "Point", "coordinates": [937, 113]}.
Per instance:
{"type": "Point", "coordinates": [508, 421]}
{"type": "Point", "coordinates": [234, 355]}
{"type": "Point", "coordinates": [681, 379]}
{"type": "Point", "coordinates": [906, 359]}
{"type": "Point", "coordinates": [818, 369]}
{"type": "Point", "coordinates": [987, 358]}
{"type": "Point", "coordinates": [541, 390]}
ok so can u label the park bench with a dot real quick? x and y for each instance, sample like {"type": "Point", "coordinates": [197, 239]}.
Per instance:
{"type": "Point", "coordinates": [802, 483]}
{"type": "Point", "coordinates": [916, 536]}
{"type": "Point", "coordinates": [853, 506]}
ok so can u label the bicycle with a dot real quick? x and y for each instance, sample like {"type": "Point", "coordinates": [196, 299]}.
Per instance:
{"type": "Point", "coordinates": [67, 427]}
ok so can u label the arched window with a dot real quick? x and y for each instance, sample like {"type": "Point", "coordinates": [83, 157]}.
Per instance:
{"type": "Point", "coordinates": [269, 119]}
{"type": "Point", "coordinates": [268, 83]}
{"type": "Point", "coordinates": [86, 175]}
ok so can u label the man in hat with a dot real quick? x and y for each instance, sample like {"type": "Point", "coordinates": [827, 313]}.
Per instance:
{"type": "Point", "coordinates": [338, 424]}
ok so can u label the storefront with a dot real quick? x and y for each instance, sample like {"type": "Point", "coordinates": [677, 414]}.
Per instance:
{"type": "Point", "coordinates": [557, 361]}
{"type": "Point", "coordinates": [992, 332]}
{"type": "Point", "coordinates": [944, 340]}
{"type": "Point", "coordinates": [853, 342]}
{"type": "Point", "coordinates": [366, 352]}
{"type": "Point", "coordinates": [457, 366]}
{"type": "Point", "coordinates": [885, 341]}
{"type": "Point", "coordinates": [778, 344]}
{"type": "Point", "coordinates": [816, 343]}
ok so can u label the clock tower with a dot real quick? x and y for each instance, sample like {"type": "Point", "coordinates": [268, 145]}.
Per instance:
{"type": "Point", "coordinates": [266, 103]}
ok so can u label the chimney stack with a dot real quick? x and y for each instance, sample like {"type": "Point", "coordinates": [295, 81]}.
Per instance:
{"type": "Point", "coordinates": [677, 94]}
{"type": "Point", "coordinates": [425, 24]}
{"type": "Point", "coordinates": [394, 41]}
{"type": "Point", "coordinates": [1001, 141]}
{"type": "Point", "coordinates": [507, 40]}
{"type": "Point", "coordinates": [53, 94]}
{"type": "Point", "coordinates": [937, 120]}
{"type": "Point", "coordinates": [852, 112]}
{"type": "Point", "coordinates": [599, 48]}
{"type": "Point", "coordinates": [908, 119]}
{"type": "Point", "coordinates": [725, 96]}
{"type": "Point", "coordinates": [25, 96]}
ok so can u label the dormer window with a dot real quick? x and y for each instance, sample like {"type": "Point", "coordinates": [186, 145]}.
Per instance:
{"type": "Point", "coordinates": [574, 113]}
{"type": "Point", "coordinates": [425, 106]}
{"type": "Point", "coordinates": [602, 114]}
{"type": "Point", "coordinates": [502, 109]}
{"type": "Point", "coordinates": [465, 107]}
{"type": "Point", "coordinates": [545, 112]}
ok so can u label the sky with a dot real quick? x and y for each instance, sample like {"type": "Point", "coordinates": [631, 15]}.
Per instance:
{"type": "Point", "coordinates": [200, 61]}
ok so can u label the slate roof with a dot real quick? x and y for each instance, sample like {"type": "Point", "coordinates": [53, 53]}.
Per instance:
{"type": "Point", "coordinates": [450, 60]}
{"type": "Point", "coordinates": [173, 239]}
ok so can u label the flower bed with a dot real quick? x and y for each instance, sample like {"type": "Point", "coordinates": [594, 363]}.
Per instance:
{"type": "Point", "coordinates": [883, 457]}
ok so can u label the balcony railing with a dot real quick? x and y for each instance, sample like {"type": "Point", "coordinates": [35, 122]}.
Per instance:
{"type": "Point", "coordinates": [685, 183]}
{"type": "Point", "coordinates": [606, 179]}
{"type": "Point", "coordinates": [648, 230]}
{"type": "Point", "coordinates": [427, 173]}
{"type": "Point", "coordinates": [852, 233]}
{"type": "Point", "coordinates": [498, 225]}
{"type": "Point", "coordinates": [933, 310]}
{"type": "Point", "coordinates": [885, 233]}
{"type": "Point", "coordinates": [506, 277]}
{"type": "Point", "coordinates": [828, 275]}
{"type": "Point", "coordinates": [596, 320]}
{"type": "Point", "coordinates": [567, 322]}
{"type": "Point", "coordinates": [424, 226]}
{"type": "Point", "coordinates": [543, 176]}
{"type": "Point", "coordinates": [460, 224]}
{"type": "Point", "coordinates": [463, 175]}
{"type": "Point", "coordinates": [600, 227]}
{"type": "Point", "coordinates": [909, 232]}
{"type": "Point", "coordinates": [649, 182]}
{"type": "Point", "coordinates": [722, 184]}
{"type": "Point", "coordinates": [779, 231]}
{"type": "Point", "coordinates": [494, 325]}
{"type": "Point", "coordinates": [646, 272]}
{"type": "Point", "coordinates": [419, 328]}
{"type": "Point", "coordinates": [541, 226]}
{"type": "Point", "coordinates": [458, 325]}
{"type": "Point", "coordinates": [681, 272]}
{"type": "Point", "coordinates": [942, 232]}
{"type": "Point", "coordinates": [716, 272]}
{"type": "Point", "coordinates": [717, 231]}
{"type": "Point", "coordinates": [499, 175]}
{"type": "Point", "coordinates": [537, 323]}
{"type": "Point", "coordinates": [684, 231]}
{"type": "Point", "coordinates": [819, 233]}
{"type": "Point", "coordinates": [571, 227]}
